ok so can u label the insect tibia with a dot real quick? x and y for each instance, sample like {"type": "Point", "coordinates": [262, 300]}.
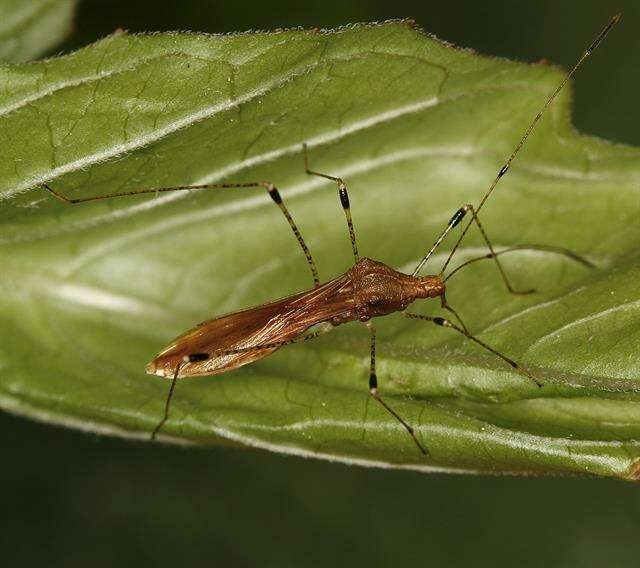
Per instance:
{"type": "Point", "coordinates": [373, 382]}
{"type": "Point", "coordinates": [503, 170]}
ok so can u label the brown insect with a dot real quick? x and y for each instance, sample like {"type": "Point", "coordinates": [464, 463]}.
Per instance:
{"type": "Point", "coordinates": [367, 290]}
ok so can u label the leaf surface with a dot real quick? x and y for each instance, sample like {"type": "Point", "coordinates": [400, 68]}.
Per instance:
{"type": "Point", "coordinates": [417, 128]}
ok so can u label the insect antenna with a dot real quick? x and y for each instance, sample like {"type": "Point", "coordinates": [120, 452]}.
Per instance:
{"type": "Point", "coordinates": [505, 168]}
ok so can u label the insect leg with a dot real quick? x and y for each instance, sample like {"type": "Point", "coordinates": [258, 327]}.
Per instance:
{"type": "Point", "coordinates": [446, 323]}
{"type": "Point", "coordinates": [373, 391]}
{"type": "Point", "coordinates": [271, 189]}
{"type": "Point", "coordinates": [344, 200]}
{"type": "Point", "coordinates": [555, 250]}
{"type": "Point", "coordinates": [186, 359]}
{"type": "Point", "coordinates": [445, 306]}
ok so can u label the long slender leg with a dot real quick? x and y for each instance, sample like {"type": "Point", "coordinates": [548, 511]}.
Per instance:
{"type": "Point", "coordinates": [445, 306]}
{"type": "Point", "coordinates": [271, 189]}
{"type": "Point", "coordinates": [446, 323]}
{"type": "Point", "coordinates": [555, 250]}
{"type": "Point", "coordinates": [172, 388]}
{"type": "Point", "coordinates": [344, 200]}
{"type": "Point", "coordinates": [373, 391]}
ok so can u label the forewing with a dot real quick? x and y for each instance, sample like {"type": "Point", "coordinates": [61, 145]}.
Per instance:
{"type": "Point", "coordinates": [248, 330]}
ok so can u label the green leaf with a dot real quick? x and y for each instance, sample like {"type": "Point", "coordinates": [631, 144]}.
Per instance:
{"type": "Point", "coordinates": [89, 293]}
{"type": "Point", "coordinates": [29, 28]}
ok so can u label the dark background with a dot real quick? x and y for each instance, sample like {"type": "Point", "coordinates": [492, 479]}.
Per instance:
{"type": "Point", "coordinates": [71, 499]}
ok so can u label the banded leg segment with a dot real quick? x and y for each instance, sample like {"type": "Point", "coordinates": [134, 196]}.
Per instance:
{"type": "Point", "coordinates": [275, 195]}
{"type": "Point", "coordinates": [373, 391]}
{"type": "Point", "coordinates": [344, 200]}
{"type": "Point", "coordinates": [447, 323]}
{"type": "Point", "coordinates": [271, 189]}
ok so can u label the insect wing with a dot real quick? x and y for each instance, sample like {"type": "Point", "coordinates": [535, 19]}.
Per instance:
{"type": "Point", "coordinates": [235, 339]}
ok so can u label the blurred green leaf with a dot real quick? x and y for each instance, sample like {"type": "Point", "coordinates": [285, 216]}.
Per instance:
{"type": "Point", "coordinates": [29, 28]}
{"type": "Point", "coordinates": [90, 293]}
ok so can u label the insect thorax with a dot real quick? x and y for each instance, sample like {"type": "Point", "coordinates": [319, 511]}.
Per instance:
{"type": "Point", "coordinates": [380, 290]}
